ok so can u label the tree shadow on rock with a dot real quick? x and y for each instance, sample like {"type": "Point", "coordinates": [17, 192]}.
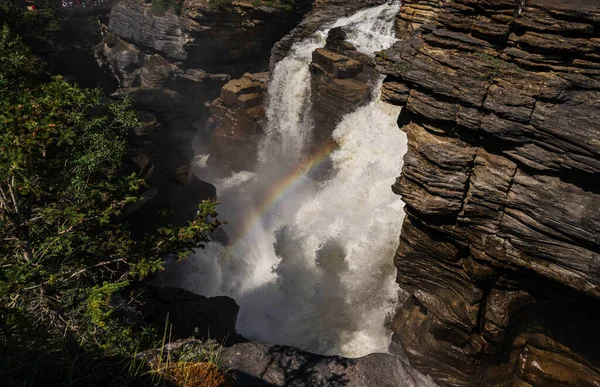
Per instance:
{"type": "Point", "coordinates": [294, 367]}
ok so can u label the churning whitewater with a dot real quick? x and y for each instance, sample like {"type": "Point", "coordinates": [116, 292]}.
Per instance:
{"type": "Point", "coordinates": [309, 260]}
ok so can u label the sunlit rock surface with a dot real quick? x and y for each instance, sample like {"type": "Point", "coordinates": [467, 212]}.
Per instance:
{"type": "Point", "coordinates": [235, 124]}
{"type": "Point", "coordinates": [258, 364]}
{"type": "Point", "coordinates": [231, 39]}
{"type": "Point", "coordinates": [500, 250]}
{"type": "Point", "coordinates": [342, 80]}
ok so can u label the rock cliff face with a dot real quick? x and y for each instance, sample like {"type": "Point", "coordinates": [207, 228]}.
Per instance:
{"type": "Point", "coordinates": [341, 82]}
{"type": "Point", "coordinates": [229, 40]}
{"type": "Point", "coordinates": [500, 249]}
{"type": "Point", "coordinates": [173, 63]}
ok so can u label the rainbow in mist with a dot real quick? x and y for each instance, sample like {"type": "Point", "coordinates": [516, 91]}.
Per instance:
{"type": "Point", "coordinates": [280, 190]}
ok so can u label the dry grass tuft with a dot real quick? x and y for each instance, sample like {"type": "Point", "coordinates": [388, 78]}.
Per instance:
{"type": "Point", "coordinates": [191, 374]}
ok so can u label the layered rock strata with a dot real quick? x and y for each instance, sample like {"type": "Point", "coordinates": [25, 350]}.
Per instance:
{"type": "Point", "coordinates": [232, 39]}
{"type": "Point", "coordinates": [499, 250]}
{"type": "Point", "coordinates": [235, 124]}
{"type": "Point", "coordinates": [341, 82]}
{"type": "Point", "coordinates": [414, 13]}
{"type": "Point", "coordinates": [323, 12]}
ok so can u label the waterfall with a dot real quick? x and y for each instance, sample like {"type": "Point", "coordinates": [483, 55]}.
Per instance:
{"type": "Point", "coordinates": [310, 261]}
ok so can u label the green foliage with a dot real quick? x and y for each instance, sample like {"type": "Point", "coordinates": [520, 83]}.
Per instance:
{"type": "Point", "coordinates": [284, 5]}
{"type": "Point", "coordinates": [220, 5]}
{"type": "Point", "coordinates": [39, 28]}
{"type": "Point", "coordinates": [402, 67]}
{"type": "Point", "coordinates": [63, 44]}
{"type": "Point", "coordinates": [160, 7]}
{"type": "Point", "coordinates": [498, 64]}
{"type": "Point", "coordinates": [69, 261]}
{"type": "Point", "coordinates": [99, 308]}
{"type": "Point", "coordinates": [224, 5]}
{"type": "Point", "coordinates": [170, 363]}
{"type": "Point", "coordinates": [11, 65]}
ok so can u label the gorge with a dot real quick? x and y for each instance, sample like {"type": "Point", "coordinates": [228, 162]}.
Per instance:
{"type": "Point", "coordinates": [487, 110]}
{"type": "Point", "coordinates": [296, 258]}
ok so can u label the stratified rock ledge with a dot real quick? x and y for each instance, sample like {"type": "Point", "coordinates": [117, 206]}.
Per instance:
{"type": "Point", "coordinates": [500, 249]}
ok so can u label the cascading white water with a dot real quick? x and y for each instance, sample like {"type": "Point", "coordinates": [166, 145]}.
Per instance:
{"type": "Point", "coordinates": [310, 262]}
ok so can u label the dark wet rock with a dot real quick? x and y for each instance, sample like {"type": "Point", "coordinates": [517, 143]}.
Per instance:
{"type": "Point", "coordinates": [169, 176]}
{"type": "Point", "coordinates": [499, 250]}
{"type": "Point", "coordinates": [190, 315]}
{"type": "Point", "coordinates": [258, 364]}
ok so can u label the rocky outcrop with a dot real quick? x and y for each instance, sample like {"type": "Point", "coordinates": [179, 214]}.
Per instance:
{"type": "Point", "coordinates": [232, 39]}
{"type": "Point", "coordinates": [262, 365]}
{"type": "Point", "coordinates": [258, 364]}
{"type": "Point", "coordinates": [341, 79]}
{"type": "Point", "coordinates": [414, 13]}
{"type": "Point", "coordinates": [322, 13]}
{"type": "Point", "coordinates": [235, 124]}
{"type": "Point", "coordinates": [173, 62]}
{"type": "Point", "coordinates": [499, 250]}
{"type": "Point", "coordinates": [203, 329]}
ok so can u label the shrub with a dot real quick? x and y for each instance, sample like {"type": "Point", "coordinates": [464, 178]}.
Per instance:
{"type": "Point", "coordinates": [160, 7]}
{"type": "Point", "coordinates": [70, 263]}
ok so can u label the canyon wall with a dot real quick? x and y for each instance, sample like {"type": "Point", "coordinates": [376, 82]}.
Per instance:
{"type": "Point", "coordinates": [500, 248]}
{"type": "Point", "coordinates": [172, 63]}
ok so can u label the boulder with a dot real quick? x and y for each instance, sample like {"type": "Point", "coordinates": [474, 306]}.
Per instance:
{"type": "Point", "coordinates": [258, 364]}
{"type": "Point", "coordinates": [120, 58]}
